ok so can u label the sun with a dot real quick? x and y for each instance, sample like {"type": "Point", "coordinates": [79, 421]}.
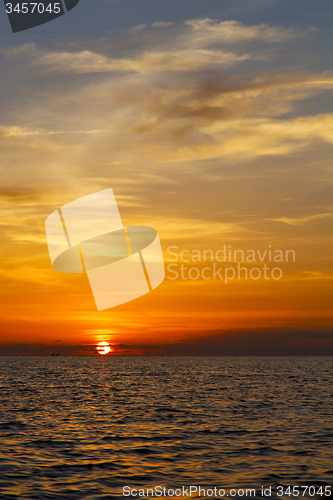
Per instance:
{"type": "Point", "coordinates": [103, 348]}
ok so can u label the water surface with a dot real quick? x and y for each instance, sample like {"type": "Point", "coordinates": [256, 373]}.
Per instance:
{"type": "Point", "coordinates": [84, 427]}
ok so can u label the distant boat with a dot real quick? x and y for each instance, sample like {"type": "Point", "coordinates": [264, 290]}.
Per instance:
{"type": "Point", "coordinates": [55, 354]}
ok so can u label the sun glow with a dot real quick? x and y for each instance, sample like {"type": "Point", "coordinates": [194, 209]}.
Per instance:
{"type": "Point", "coordinates": [103, 348]}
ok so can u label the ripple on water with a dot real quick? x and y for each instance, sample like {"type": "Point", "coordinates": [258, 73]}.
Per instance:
{"type": "Point", "coordinates": [83, 427]}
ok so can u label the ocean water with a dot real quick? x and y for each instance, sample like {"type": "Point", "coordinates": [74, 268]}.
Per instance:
{"type": "Point", "coordinates": [85, 427]}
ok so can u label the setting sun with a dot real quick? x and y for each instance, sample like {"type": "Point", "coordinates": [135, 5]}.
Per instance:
{"type": "Point", "coordinates": [103, 348]}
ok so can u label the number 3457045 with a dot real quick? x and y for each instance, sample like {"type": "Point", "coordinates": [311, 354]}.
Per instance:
{"type": "Point", "coordinates": [31, 8]}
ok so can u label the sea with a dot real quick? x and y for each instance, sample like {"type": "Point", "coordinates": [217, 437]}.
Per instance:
{"type": "Point", "coordinates": [107, 427]}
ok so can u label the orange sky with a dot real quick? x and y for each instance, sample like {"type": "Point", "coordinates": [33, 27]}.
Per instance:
{"type": "Point", "coordinates": [208, 139]}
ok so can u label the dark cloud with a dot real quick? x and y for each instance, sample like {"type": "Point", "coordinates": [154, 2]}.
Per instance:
{"type": "Point", "coordinates": [259, 342]}
{"type": "Point", "coordinates": [264, 342]}
{"type": "Point", "coordinates": [46, 350]}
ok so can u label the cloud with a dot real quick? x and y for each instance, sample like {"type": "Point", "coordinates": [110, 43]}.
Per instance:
{"type": "Point", "coordinates": [177, 101]}
{"type": "Point", "coordinates": [244, 342]}
{"type": "Point", "coordinates": [200, 133]}
{"type": "Point", "coordinates": [16, 132]}
{"type": "Point", "coordinates": [162, 24]}
{"type": "Point", "coordinates": [181, 60]}
{"type": "Point", "coordinates": [191, 45]}
{"type": "Point", "coordinates": [182, 118]}
{"type": "Point", "coordinates": [22, 132]}
{"type": "Point", "coordinates": [211, 31]}
{"type": "Point", "coordinates": [303, 220]}
{"type": "Point", "coordinates": [46, 350]}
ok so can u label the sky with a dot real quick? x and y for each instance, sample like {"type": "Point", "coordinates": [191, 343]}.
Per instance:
{"type": "Point", "coordinates": [212, 121]}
